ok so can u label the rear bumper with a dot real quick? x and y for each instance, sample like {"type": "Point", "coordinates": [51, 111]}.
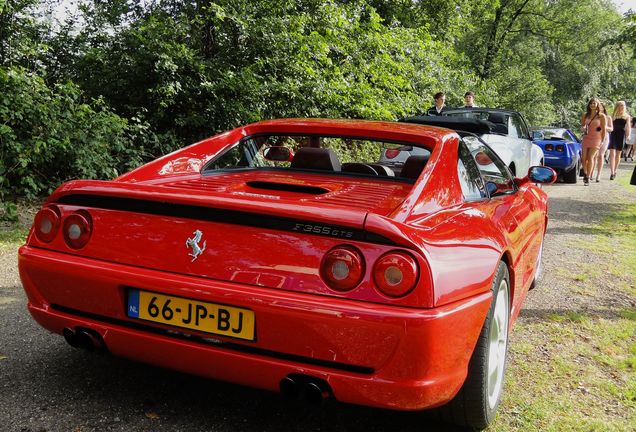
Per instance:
{"type": "Point", "coordinates": [561, 162]}
{"type": "Point", "coordinates": [370, 354]}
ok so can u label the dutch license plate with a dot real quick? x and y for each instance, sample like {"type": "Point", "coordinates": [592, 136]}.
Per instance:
{"type": "Point", "coordinates": [192, 314]}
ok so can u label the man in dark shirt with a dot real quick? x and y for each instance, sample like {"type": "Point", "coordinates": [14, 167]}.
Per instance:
{"type": "Point", "coordinates": [440, 104]}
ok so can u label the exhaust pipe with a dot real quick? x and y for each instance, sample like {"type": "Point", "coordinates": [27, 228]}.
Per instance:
{"type": "Point", "coordinates": [71, 337]}
{"type": "Point", "coordinates": [289, 388]}
{"type": "Point", "coordinates": [83, 338]}
{"type": "Point", "coordinates": [314, 391]}
{"type": "Point", "coordinates": [314, 394]}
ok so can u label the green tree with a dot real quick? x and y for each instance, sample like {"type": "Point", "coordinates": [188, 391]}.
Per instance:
{"type": "Point", "coordinates": [127, 80]}
{"type": "Point", "coordinates": [198, 67]}
{"type": "Point", "coordinates": [22, 32]}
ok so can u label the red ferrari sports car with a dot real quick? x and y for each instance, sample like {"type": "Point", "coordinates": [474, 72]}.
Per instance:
{"type": "Point", "coordinates": [283, 255]}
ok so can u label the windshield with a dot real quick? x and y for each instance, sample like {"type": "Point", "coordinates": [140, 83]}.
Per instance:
{"type": "Point", "coordinates": [479, 115]}
{"type": "Point", "coordinates": [325, 155]}
{"type": "Point", "coordinates": [551, 134]}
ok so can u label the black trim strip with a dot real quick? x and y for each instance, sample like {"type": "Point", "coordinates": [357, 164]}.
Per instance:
{"type": "Point", "coordinates": [223, 216]}
{"type": "Point", "coordinates": [217, 342]}
{"type": "Point", "coordinates": [287, 187]}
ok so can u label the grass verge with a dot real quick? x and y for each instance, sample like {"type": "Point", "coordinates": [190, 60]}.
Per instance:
{"type": "Point", "coordinates": [576, 371]}
{"type": "Point", "coordinates": [13, 237]}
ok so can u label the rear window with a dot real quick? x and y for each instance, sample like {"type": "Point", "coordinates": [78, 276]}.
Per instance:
{"type": "Point", "coordinates": [479, 115]}
{"type": "Point", "coordinates": [324, 154]}
{"type": "Point", "coordinates": [554, 134]}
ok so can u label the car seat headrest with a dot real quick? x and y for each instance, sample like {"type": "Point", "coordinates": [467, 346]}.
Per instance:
{"type": "Point", "coordinates": [316, 159]}
{"type": "Point", "coordinates": [413, 166]}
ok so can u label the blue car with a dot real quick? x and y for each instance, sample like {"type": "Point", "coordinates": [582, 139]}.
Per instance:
{"type": "Point", "coordinates": [561, 149]}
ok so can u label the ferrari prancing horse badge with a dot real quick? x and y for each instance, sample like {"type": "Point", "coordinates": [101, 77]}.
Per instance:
{"type": "Point", "coordinates": [194, 244]}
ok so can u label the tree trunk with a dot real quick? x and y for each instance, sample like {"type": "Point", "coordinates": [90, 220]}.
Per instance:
{"type": "Point", "coordinates": [491, 44]}
{"type": "Point", "coordinates": [497, 38]}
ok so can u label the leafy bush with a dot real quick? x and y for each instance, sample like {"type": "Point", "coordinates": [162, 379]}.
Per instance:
{"type": "Point", "coordinates": [49, 135]}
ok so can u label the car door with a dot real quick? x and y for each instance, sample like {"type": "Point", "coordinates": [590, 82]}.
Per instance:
{"type": "Point", "coordinates": [514, 148]}
{"type": "Point", "coordinates": [518, 131]}
{"type": "Point", "coordinates": [515, 210]}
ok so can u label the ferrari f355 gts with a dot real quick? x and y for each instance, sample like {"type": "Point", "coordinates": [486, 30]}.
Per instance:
{"type": "Point", "coordinates": [284, 255]}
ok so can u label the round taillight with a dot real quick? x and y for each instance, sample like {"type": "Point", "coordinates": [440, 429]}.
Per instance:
{"type": "Point", "coordinates": [47, 224]}
{"type": "Point", "coordinates": [391, 153]}
{"type": "Point", "coordinates": [483, 159]}
{"type": "Point", "coordinates": [342, 268]}
{"type": "Point", "coordinates": [395, 273]}
{"type": "Point", "coordinates": [77, 230]}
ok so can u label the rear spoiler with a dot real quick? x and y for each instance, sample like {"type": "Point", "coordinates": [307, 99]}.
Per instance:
{"type": "Point", "coordinates": [345, 224]}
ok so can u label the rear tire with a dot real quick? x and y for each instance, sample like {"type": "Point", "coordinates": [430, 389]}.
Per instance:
{"type": "Point", "coordinates": [476, 403]}
{"type": "Point", "coordinates": [572, 175]}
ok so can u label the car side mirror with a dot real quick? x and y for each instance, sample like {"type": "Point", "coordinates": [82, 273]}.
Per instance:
{"type": "Point", "coordinates": [278, 154]}
{"type": "Point", "coordinates": [538, 174]}
{"type": "Point", "coordinates": [491, 188]}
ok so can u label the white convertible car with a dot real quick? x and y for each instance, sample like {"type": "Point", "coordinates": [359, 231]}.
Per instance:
{"type": "Point", "coordinates": [505, 131]}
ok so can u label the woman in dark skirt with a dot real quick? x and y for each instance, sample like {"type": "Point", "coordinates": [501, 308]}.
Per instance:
{"type": "Point", "coordinates": [621, 132]}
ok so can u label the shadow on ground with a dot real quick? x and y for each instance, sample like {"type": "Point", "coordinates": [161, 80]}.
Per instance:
{"type": "Point", "coordinates": [575, 213]}
{"type": "Point", "coordinates": [133, 396]}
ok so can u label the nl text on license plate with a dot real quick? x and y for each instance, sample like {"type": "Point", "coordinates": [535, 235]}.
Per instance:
{"type": "Point", "coordinates": [193, 314]}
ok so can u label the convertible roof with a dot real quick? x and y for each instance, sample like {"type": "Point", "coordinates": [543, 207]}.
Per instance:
{"type": "Point", "coordinates": [464, 124]}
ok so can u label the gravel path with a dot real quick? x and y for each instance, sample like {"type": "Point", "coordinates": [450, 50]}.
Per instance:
{"type": "Point", "coordinates": [574, 212]}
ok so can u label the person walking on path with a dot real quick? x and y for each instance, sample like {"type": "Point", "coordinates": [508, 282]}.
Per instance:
{"type": "Point", "coordinates": [440, 104]}
{"type": "Point", "coordinates": [600, 157]}
{"type": "Point", "coordinates": [622, 131]}
{"type": "Point", "coordinates": [628, 151]}
{"type": "Point", "coordinates": [593, 125]}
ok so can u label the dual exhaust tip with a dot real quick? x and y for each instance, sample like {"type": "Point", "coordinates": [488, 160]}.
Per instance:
{"type": "Point", "coordinates": [84, 338]}
{"type": "Point", "coordinates": [314, 391]}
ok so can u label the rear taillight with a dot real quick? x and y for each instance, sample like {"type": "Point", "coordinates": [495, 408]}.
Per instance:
{"type": "Point", "coordinates": [77, 229]}
{"type": "Point", "coordinates": [342, 268]}
{"type": "Point", "coordinates": [395, 273]}
{"type": "Point", "coordinates": [549, 147]}
{"type": "Point", "coordinates": [560, 147]}
{"type": "Point", "coordinates": [391, 153]}
{"type": "Point", "coordinates": [47, 224]}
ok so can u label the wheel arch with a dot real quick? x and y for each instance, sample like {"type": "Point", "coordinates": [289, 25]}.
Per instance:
{"type": "Point", "coordinates": [506, 258]}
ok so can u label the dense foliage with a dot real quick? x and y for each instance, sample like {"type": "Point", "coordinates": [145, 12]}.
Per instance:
{"type": "Point", "coordinates": [119, 82]}
{"type": "Point", "coordinates": [48, 135]}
